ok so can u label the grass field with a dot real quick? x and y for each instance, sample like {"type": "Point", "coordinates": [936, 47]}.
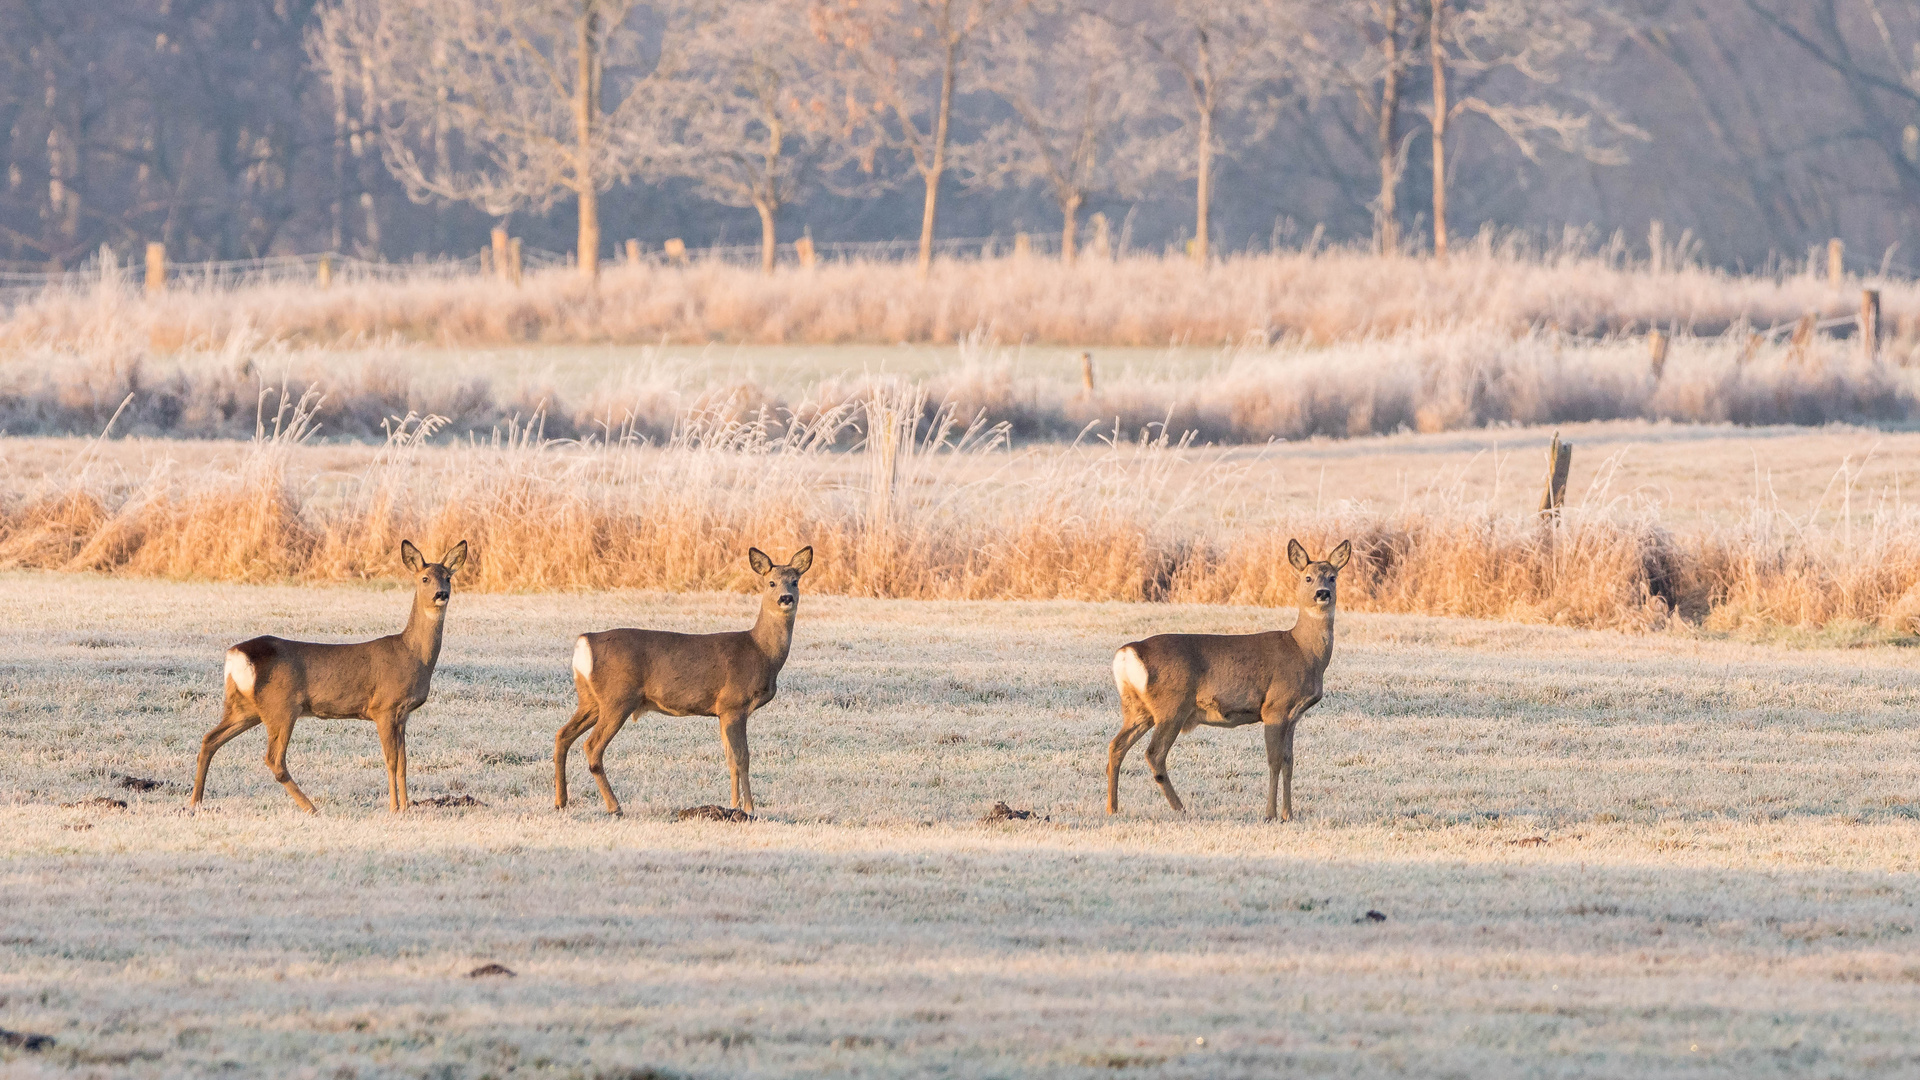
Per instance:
{"type": "Point", "coordinates": [1596, 854]}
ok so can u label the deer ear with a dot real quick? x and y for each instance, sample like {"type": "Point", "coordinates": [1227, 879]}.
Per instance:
{"type": "Point", "coordinates": [801, 560]}
{"type": "Point", "coordinates": [410, 555]}
{"type": "Point", "coordinates": [1297, 555]}
{"type": "Point", "coordinates": [455, 557]}
{"type": "Point", "coordinates": [1340, 555]}
{"type": "Point", "coordinates": [759, 561]}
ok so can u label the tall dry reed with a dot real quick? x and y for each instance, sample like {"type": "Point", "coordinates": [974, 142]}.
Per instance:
{"type": "Point", "coordinates": [949, 511]}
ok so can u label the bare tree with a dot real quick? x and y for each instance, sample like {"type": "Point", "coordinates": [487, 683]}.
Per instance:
{"type": "Point", "coordinates": [747, 94]}
{"type": "Point", "coordinates": [1368, 48]}
{"type": "Point", "coordinates": [1220, 52]}
{"type": "Point", "coordinates": [523, 85]}
{"type": "Point", "coordinates": [902, 63]}
{"type": "Point", "coordinates": [1520, 47]}
{"type": "Point", "coordinates": [1081, 121]}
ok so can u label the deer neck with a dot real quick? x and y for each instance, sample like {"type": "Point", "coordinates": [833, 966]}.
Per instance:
{"type": "Point", "coordinates": [773, 632]}
{"type": "Point", "coordinates": [1313, 632]}
{"type": "Point", "coordinates": [422, 635]}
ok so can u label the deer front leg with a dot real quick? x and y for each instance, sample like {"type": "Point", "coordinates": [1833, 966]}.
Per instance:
{"type": "Point", "coordinates": [563, 741]}
{"type": "Point", "coordinates": [1279, 760]}
{"type": "Point", "coordinates": [733, 731]}
{"type": "Point", "coordinates": [391, 737]}
{"type": "Point", "coordinates": [400, 770]}
{"type": "Point", "coordinates": [1164, 732]}
{"type": "Point", "coordinates": [279, 734]}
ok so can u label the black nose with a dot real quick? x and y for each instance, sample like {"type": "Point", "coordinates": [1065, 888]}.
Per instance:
{"type": "Point", "coordinates": [1322, 596]}
{"type": "Point", "coordinates": [441, 595]}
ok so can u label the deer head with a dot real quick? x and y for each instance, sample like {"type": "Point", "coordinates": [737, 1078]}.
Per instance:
{"type": "Point", "coordinates": [782, 583]}
{"type": "Point", "coordinates": [1317, 579]}
{"type": "Point", "coordinates": [435, 582]}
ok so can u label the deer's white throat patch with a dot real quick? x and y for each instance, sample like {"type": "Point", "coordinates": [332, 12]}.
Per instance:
{"type": "Point", "coordinates": [1129, 671]}
{"type": "Point", "coordinates": [582, 657]}
{"type": "Point", "coordinates": [240, 671]}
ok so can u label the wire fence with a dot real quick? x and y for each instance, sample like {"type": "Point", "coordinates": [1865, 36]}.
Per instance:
{"type": "Point", "coordinates": [112, 270]}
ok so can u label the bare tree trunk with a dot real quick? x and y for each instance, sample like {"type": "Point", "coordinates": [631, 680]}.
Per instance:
{"type": "Point", "coordinates": [338, 209]}
{"type": "Point", "coordinates": [1386, 221]}
{"type": "Point", "coordinates": [1203, 196]}
{"type": "Point", "coordinates": [1438, 45]}
{"type": "Point", "coordinates": [769, 244]}
{"type": "Point", "coordinates": [585, 104]}
{"type": "Point", "coordinates": [1070, 227]}
{"type": "Point", "coordinates": [939, 165]}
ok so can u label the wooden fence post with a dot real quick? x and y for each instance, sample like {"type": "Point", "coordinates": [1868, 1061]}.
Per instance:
{"type": "Point", "coordinates": [501, 257]}
{"type": "Point", "coordinates": [1559, 463]}
{"type": "Point", "coordinates": [1802, 340]}
{"type": "Point", "coordinates": [803, 250]}
{"type": "Point", "coordinates": [1657, 353]}
{"type": "Point", "coordinates": [1870, 324]}
{"type": "Point", "coordinates": [324, 272]}
{"type": "Point", "coordinates": [513, 260]}
{"type": "Point", "coordinates": [1102, 237]}
{"type": "Point", "coordinates": [633, 253]}
{"type": "Point", "coordinates": [1086, 372]}
{"type": "Point", "coordinates": [676, 249]}
{"type": "Point", "coordinates": [1836, 262]}
{"type": "Point", "coordinates": [156, 269]}
{"type": "Point", "coordinates": [1022, 245]}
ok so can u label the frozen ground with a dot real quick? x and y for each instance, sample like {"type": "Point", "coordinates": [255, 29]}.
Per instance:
{"type": "Point", "coordinates": [1596, 855]}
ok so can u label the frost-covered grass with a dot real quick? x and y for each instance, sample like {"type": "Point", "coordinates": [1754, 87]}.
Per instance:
{"type": "Point", "coordinates": [1597, 855]}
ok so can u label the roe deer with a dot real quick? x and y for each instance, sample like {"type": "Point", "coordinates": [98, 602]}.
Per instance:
{"type": "Point", "coordinates": [274, 681]}
{"type": "Point", "coordinates": [622, 673]}
{"type": "Point", "coordinates": [1175, 682]}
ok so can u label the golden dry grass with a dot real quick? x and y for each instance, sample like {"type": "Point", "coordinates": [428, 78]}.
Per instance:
{"type": "Point", "coordinates": [960, 516]}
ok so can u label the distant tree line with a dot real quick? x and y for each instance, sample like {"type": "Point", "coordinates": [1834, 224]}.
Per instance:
{"type": "Point", "coordinates": [390, 128]}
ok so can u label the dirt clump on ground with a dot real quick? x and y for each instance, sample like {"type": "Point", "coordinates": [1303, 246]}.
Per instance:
{"type": "Point", "coordinates": [1002, 812]}
{"type": "Point", "coordinates": [712, 813]}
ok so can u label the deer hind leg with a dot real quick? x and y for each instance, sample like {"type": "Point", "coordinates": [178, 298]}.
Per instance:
{"type": "Point", "coordinates": [239, 717]}
{"type": "Point", "coordinates": [733, 732]}
{"type": "Point", "coordinates": [1134, 722]}
{"type": "Point", "coordinates": [563, 740]}
{"type": "Point", "coordinates": [279, 733]}
{"type": "Point", "coordinates": [1165, 730]}
{"type": "Point", "coordinates": [604, 729]}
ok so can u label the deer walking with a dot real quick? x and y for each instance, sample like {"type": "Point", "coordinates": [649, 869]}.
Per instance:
{"type": "Point", "coordinates": [274, 681]}
{"type": "Point", "coordinates": [619, 674]}
{"type": "Point", "coordinates": [1176, 682]}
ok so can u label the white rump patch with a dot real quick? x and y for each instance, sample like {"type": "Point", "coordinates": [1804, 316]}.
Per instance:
{"type": "Point", "coordinates": [1129, 671]}
{"type": "Point", "coordinates": [582, 657]}
{"type": "Point", "coordinates": [240, 671]}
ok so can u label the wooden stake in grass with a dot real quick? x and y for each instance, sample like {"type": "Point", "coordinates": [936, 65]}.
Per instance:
{"type": "Point", "coordinates": [1802, 340]}
{"type": "Point", "coordinates": [1559, 463]}
{"type": "Point", "coordinates": [1086, 372]}
{"type": "Point", "coordinates": [156, 269]}
{"type": "Point", "coordinates": [1836, 262]}
{"type": "Point", "coordinates": [502, 260]}
{"type": "Point", "coordinates": [324, 273]}
{"type": "Point", "coordinates": [1657, 354]}
{"type": "Point", "coordinates": [1022, 245]}
{"type": "Point", "coordinates": [633, 253]}
{"type": "Point", "coordinates": [1870, 324]}
{"type": "Point", "coordinates": [513, 260]}
{"type": "Point", "coordinates": [676, 250]}
{"type": "Point", "coordinates": [803, 250]}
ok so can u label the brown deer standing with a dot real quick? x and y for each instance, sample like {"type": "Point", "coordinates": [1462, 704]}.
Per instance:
{"type": "Point", "coordinates": [1175, 682]}
{"type": "Point", "coordinates": [621, 673]}
{"type": "Point", "coordinates": [274, 681]}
